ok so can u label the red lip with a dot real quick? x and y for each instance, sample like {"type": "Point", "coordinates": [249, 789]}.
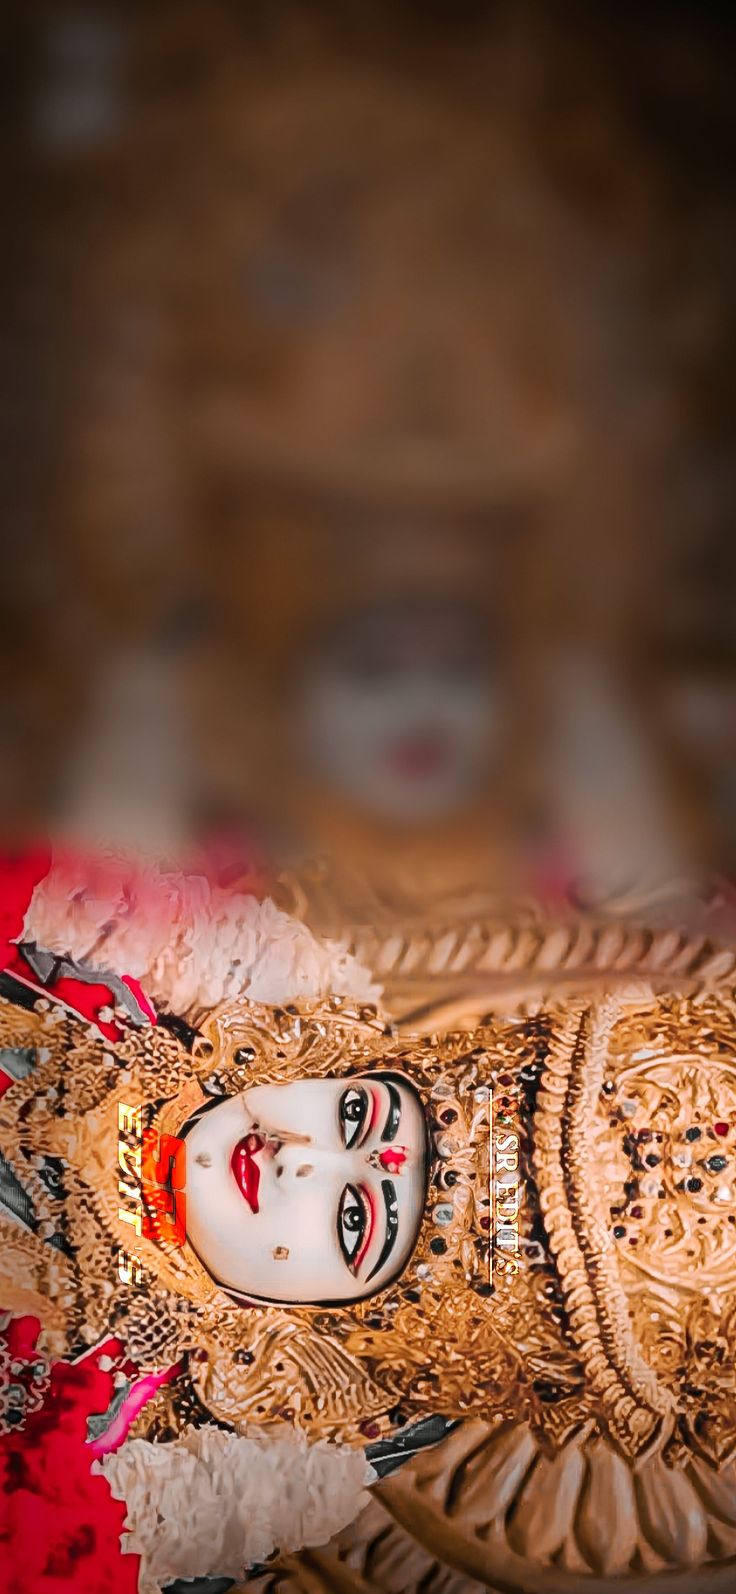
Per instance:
{"type": "Point", "coordinates": [417, 757]}
{"type": "Point", "coordinates": [245, 1169]}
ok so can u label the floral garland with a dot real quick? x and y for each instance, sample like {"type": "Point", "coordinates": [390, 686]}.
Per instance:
{"type": "Point", "coordinates": [189, 941]}
{"type": "Point", "coordinates": [213, 1503]}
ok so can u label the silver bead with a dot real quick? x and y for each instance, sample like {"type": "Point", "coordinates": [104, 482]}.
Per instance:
{"type": "Point", "coordinates": [444, 1146]}
{"type": "Point", "coordinates": [443, 1214]}
{"type": "Point", "coordinates": [441, 1091]}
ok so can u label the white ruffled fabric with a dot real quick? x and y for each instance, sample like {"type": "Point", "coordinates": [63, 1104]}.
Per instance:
{"type": "Point", "coordinates": [191, 945]}
{"type": "Point", "coordinates": [213, 1504]}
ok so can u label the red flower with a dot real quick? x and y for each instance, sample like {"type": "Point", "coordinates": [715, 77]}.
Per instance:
{"type": "Point", "coordinates": [19, 876]}
{"type": "Point", "coordinates": [59, 1525]}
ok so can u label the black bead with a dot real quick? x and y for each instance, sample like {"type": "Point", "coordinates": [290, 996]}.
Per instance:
{"type": "Point", "coordinates": [438, 1246]}
{"type": "Point", "coordinates": [693, 1134]}
{"type": "Point", "coordinates": [619, 1232]}
{"type": "Point", "coordinates": [694, 1184]}
{"type": "Point", "coordinates": [547, 1391]}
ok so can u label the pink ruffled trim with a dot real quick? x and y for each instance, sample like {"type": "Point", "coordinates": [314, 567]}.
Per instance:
{"type": "Point", "coordinates": [138, 1396]}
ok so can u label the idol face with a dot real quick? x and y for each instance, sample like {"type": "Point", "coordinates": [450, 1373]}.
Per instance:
{"type": "Point", "coordinates": [308, 1192]}
{"type": "Point", "coordinates": [399, 711]}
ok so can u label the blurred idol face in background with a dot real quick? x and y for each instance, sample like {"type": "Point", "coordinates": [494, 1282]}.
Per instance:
{"type": "Point", "coordinates": [398, 710]}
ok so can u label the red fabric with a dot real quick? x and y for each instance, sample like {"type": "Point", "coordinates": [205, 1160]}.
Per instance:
{"type": "Point", "coordinates": [19, 876]}
{"type": "Point", "coordinates": [136, 990]}
{"type": "Point", "coordinates": [118, 889]}
{"type": "Point", "coordinates": [85, 999]}
{"type": "Point", "coordinates": [59, 1526]}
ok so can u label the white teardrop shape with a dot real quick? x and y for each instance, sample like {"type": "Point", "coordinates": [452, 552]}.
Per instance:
{"type": "Point", "coordinates": [546, 1507]}
{"type": "Point", "coordinates": [606, 1521]}
{"type": "Point", "coordinates": [671, 1514]}
{"type": "Point", "coordinates": [493, 1476]}
{"type": "Point", "coordinates": [716, 1489]}
{"type": "Point", "coordinates": [432, 1472]}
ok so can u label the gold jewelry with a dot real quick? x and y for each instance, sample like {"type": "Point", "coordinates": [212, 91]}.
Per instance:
{"type": "Point", "coordinates": [579, 1327]}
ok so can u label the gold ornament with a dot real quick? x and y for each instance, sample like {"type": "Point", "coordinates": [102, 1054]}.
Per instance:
{"type": "Point", "coordinates": [591, 1325]}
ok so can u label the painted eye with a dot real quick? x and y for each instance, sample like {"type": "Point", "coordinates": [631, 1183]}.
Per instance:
{"type": "Point", "coordinates": [353, 1114]}
{"type": "Point", "coordinates": [351, 1222]}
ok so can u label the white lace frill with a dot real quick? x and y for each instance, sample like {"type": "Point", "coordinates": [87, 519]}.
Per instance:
{"type": "Point", "coordinates": [192, 945]}
{"type": "Point", "coordinates": [213, 1503]}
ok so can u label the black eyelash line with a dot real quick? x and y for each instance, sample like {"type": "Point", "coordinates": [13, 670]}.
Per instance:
{"type": "Point", "coordinates": [393, 1120]}
{"type": "Point", "coordinates": [348, 1259]}
{"type": "Point", "coordinates": [388, 1190]}
{"type": "Point", "coordinates": [361, 1124]}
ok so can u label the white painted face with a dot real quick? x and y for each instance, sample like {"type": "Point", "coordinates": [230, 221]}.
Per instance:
{"type": "Point", "coordinates": [398, 711]}
{"type": "Point", "coordinates": [307, 1192]}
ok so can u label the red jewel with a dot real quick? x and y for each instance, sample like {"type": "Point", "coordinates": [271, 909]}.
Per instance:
{"type": "Point", "coordinates": [721, 1128]}
{"type": "Point", "coordinates": [392, 1159]}
{"type": "Point", "coordinates": [637, 1212]}
{"type": "Point", "coordinates": [485, 1223]}
{"type": "Point", "coordinates": [370, 1429]}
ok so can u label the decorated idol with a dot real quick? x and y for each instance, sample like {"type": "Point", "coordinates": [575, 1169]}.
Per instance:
{"type": "Point", "coordinates": [315, 1225]}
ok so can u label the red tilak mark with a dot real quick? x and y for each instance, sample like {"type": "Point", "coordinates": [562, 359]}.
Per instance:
{"type": "Point", "coordinates": [245, 1168]}
{"type": "Point", "coordinates": [392, 1159]}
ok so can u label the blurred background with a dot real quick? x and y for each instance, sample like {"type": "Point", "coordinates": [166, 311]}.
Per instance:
{"type": "Point", "coordinates": [366, 434]}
